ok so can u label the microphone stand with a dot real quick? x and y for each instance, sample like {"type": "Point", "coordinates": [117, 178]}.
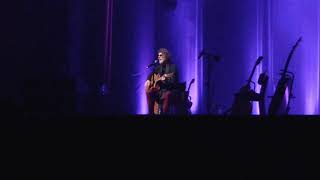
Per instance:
{"type": "Point", "coordinates": [139, 74]}
{"type": "Point", "coordinates": [208, 57]}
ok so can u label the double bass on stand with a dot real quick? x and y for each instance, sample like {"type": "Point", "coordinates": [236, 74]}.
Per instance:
{"type": "Point", "coordinates": [242, 103]}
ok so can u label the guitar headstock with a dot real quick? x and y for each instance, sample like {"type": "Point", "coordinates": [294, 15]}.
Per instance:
{"type": "Point", "coordinates": [259, 60]}
{"type": "Point", "coordinates": [192, 81]}
{"type": "Point", "coordinates": [299, 40]}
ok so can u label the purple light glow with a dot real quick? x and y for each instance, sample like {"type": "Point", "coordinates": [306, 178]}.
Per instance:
{"type": "Point", "coordinates": [270, 29]}
{"type": "Point", "coordinates": [185, 23]}
{"type": "Point", "coordinates": [259, 51]}
{"type": "Point", "coordinates": [292, 19]}
{"type": "Point", "coordinates": [255, 109]}
{"type": "Point", "coordinates": [179, 36]}
{"type": "Point", "coordinates": [286, 97]}
{"type": "Point", "coordinates": [144, 49]}
{"type": "Point", "coordinates": [318, 64]}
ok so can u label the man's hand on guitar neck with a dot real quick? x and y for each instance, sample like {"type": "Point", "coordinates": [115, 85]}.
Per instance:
{"type": "Point", "coordinates": [161, 78]}
{"type": "Point", "coordinates": [164, 76]}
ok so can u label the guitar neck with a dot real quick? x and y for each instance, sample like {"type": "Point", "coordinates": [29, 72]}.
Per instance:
{"type": "Point", "coordinates": [290, 56]}
{"type": "Point", "coordinates": [254, 68]}
{"type": "Point", "coordinates": [192, 81]}
{"type": "Point", "coordinates": [251, 75]}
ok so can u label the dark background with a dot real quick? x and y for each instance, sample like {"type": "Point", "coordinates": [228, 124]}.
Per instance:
{"type": "Point", "coordinates": [53, 55]}
{"type": "Point", "coordinates": [52, 65]}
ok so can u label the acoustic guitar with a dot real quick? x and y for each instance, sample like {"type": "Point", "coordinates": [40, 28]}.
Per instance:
{"type": "Point", "coordinates": [154, 86]}
{"type": "Point", "coordinates": [156, 80]}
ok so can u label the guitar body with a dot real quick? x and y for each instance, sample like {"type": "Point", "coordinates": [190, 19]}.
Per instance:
{"type": "Point", "coordinates": [157, 82]}
{"type": "Point", "coordinates": [242, 104]}
{"type": "Point", "coordinates": [280, 100]}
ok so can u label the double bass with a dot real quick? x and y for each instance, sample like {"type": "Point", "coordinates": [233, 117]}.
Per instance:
{"type": "Point", "coordinates": [242, 104]}
{"type": "Point", "coordinates": [281, 99]}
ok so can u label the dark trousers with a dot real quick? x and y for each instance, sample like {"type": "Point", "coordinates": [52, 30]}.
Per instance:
{"type": "Point", "coordinates": [166, 98]}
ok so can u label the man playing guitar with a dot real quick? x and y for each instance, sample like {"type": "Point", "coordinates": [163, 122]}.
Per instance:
{"type": "Point", "coordinates": [161, 82]}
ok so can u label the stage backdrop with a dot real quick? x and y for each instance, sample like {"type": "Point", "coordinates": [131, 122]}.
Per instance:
{"type": "Point", "coordinates": [286, 21]}
{"type": "Point", "coordinates": [238, 31]}
{"type": "Point", "coordinates": [141, 27]}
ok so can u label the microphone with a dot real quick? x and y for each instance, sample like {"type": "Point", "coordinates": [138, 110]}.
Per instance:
{"type": "Point", "coordinates": [209, 55]}
{"type": "Point", "coordinates": [155, 62]}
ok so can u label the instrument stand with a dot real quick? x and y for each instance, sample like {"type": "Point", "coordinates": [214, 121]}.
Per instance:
{"type": "Point", "coordinates": [208, 80]}
{"type": "Point", "coordinates": [209, 57]}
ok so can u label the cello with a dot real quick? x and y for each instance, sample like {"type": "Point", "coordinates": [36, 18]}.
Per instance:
{"type": "Point", "coordinates": [281, 99]}
{"type": "Point", "coordinates": [242, 104]}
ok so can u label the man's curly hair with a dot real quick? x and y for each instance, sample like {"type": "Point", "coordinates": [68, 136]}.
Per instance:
{"type": "Point", "coordinates": [165, 52]}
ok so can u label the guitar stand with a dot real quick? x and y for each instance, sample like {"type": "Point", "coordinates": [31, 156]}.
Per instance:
{"type": "Point", "coordinates": [291, 76]}
{"type": "Point", "coordinates": [249, 95]}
